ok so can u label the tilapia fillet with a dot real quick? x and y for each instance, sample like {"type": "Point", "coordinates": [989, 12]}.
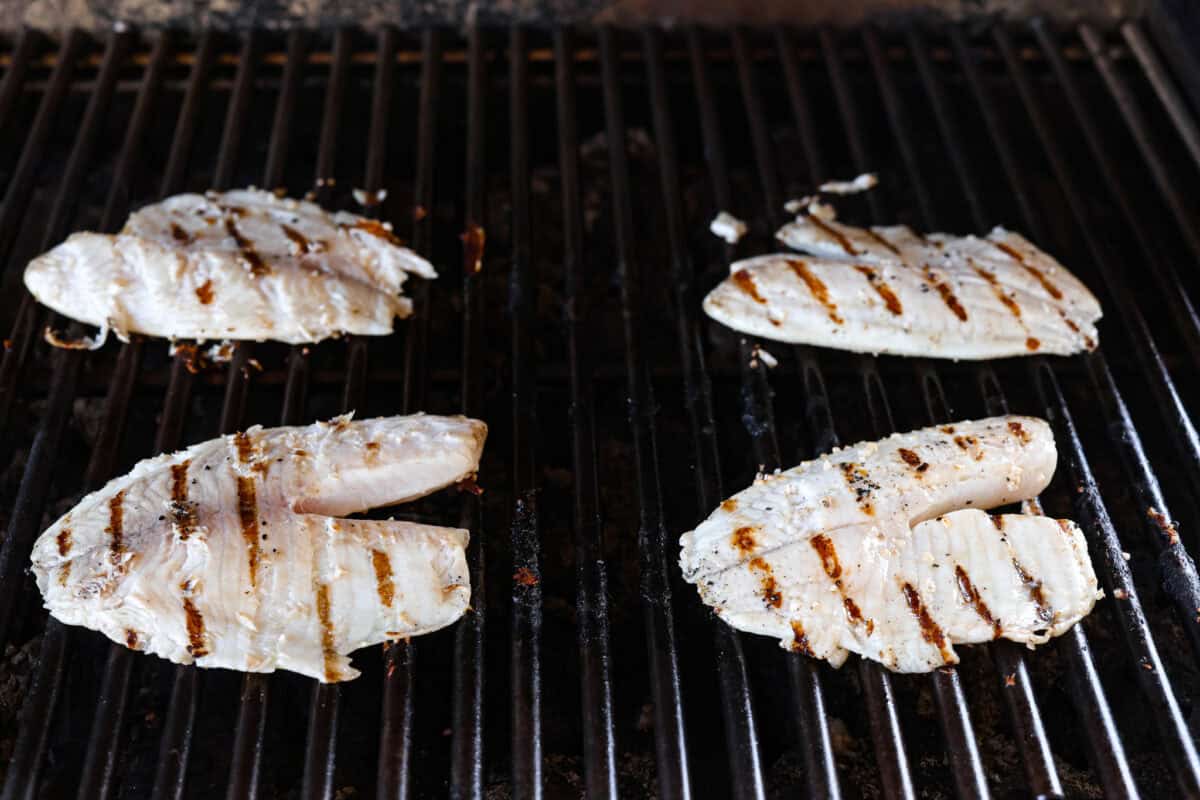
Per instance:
{"type": "Point", "coordinates": [884, 549]}
{"type": "Point", "coordinates": [891, 290]}
{"type": "Point", "coordinates": [233, 553]}
{"type": "Point", "coordinates": [236, 265]}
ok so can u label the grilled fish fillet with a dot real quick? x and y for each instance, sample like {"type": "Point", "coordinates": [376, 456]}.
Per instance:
{"type": "Point", "coordinates": [891, 290]}
{"type": "Point", "coordinates": [239, 265]}
{"type": "Point", "coordinates": [884, 549]}
{"type": "Point", "coordinates": [232, 553]}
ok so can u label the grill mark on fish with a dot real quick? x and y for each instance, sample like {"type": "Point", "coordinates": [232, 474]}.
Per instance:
{"type": "Point", "coordinates": [852, 610]}
{"type": "Point", "coordinates": [303, 245]}
{"type": "Point", "coordinates": [930, 631]}
{"type": "Point", "coordinates": [730, 505]}
{"type": "Point", "coordinates": [913, 460]}
{"type": "Point", "coordinates": [879, 238]}
{"type": "Point", "coordinates": [247, 498]}
{"type": "Point", "coordinates": [834, 234]}
{"type": "Point", "coordinates": [64, 542]}
{"type": "Point", "coordinates": [890, 300]}
{"type": "Point", "coordinates": [1038, 275]}
{"type": "Point", "coordinates": [742, 280]}
{"type": "Point", "coordinates": [257, 265]}
{"type": "Point", "coordinates": [829, 557]}
{"type": "Point", "coordinates": [245, 448]}
{"type": "Point", "coordinates": [1034, 587]}
{"type": "Point", "coordinates": [1032, 344]}
{"type": "Point", "coordinates": [328, 648]}
{"type": "Point", "coordinates": [770, 589]}
{"type": "Point", "coordinates": [743, 540]}
{"type": "Point", "coordinates": [998, 290]}
{"type": "Point", "coordinates": [383, 577]}
{"type": "Point", "coordinates": [195, 625]}
{"type": "Point", "coordinates": [859, 481]}
{"type": "Point", "coordinates": [131, 639]}
{"type": "Point", "coordinates": [971, 597]}
{"type": "Point", "coordinates": [800, 639]}
{"type": "Point", "coordinates": [204, 293]}
{"type": "Point", "coordinates": [179, 234]}
{"type": "Point", "coordinates": [116, 528]}
{"type": "Point", "coordinates": [947, 294]}
{"type": "Point", "coordinates": [947, 429]}
{"type": "Point", "coordinates": [817, 287]}
{"type": "Point", "coordinates": [1018, 430]}
{"type": "Point", "coordinates": [183, 516]}
{"type": "Point", "coordinates": [377, 229]}
{"type": "Point", "coordinates": [372, 455]}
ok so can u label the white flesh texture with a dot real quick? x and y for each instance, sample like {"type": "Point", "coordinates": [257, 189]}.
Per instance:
{"type": "Point", "coordinates": [890, 290]}
{"type": "Point", "coordinates": [233, 553]}
{"type": "Point", "coordinates": [243, 264]}
{"type": "Point", "coordinates": [884, 549]}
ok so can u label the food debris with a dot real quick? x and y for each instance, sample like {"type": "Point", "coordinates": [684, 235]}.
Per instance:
{"type": "Point", "coordinates": [368, 199]}
{"type": "Point", "coordinates": [55, 339]}
{"type": "Point", "coordinates": [760, 353]}
{"type": "Point", "coordinates": [1165, 525]}
{"type": "Point", "coordinates": [469, 485]}
{"type": "Point", "coordinates": [822, 211]}
{"type": "Point", "coordinates": [1120, 594]}
{"type": "Point", "coordinates": [864, 182]}
{"type": "Point", "coordinates": [525, 577]}
{"type": "Point", "coordinates": [419, 213]}
{"type": "Point", "coordinates": [1010, 680]}
{"type": "Point", "coordinates": [795, 206]}
{"type": "Point", "coordinates": [727, 227]}
{"type": "Point", "coordinates": [220, 353]}
{"type": "Point", "coordinates": [473, 239]}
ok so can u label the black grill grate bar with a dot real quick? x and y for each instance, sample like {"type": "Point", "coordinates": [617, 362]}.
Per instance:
{"type": "Point", "coordinates": [277, 149]}
{"type": "Point", "coordinates": [1183, 432]}
{"type": "Point", "coordinates": [394, 774]}
{"type": "Point", "coordinates": [1168, 93]}
{"type": "Point", "coordinates": [737, 701]}
{"type": "Point", "coordinates": [239, 106]}
{"type": "Point", "coordinates": [1187, 322]}
{"type": "Point", "coordinates": [591, 598]}
{"type": "Point", "coordinates": [674, 777]}
{"type": "Point", "coordinates": [185, 131]}
{"type": "Point", "coordinates": [886, 733]}
{"type": "Point", "coordinates": [1118, 570]}
{"type": "Point", "coordinates": [965, 764]}
{"type": "Point", "coordinates": [466, 744]}
{"type": "Point", "coordinates": [14, 76]}
{"type": "Point", "coordinates": [526, 621]}
{"type": "Point", "coordinates": [331, 115]}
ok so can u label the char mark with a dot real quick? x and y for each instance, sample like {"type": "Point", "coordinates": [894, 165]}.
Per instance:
{"type": "Point", "coordinates": [116, 528]}
{"type": "Point", "coordinates": [179, 234]}
{"type": "Point", "coordinates": [852, 610]}
{"type": "Point", "coordinates": [998, 290]}
{"type": "Point", "coordinates": [859, 481]}
{"type": "Point", "coordinates": [1018, 430]}
{"type": "Point", "coordinates": [1037, 274]}
{"type": "Point", "coordinates": [383, 577]}
{"type": "Point", "coordinates": [800, 639]}
{"type": "Point", "coordinates": [890, 300]}
{"type": "Point", "coordinates": [743, 540]}
{"type": "Point", "coordinates": [378, 230]}
{"type": "Point", "coordinates": [971, 597]}
{"type": "Point", "coordinates": [770, 589]}
{"type": "Point", "coordinates": [930, 631]}
{"type": "Point", "coordinates": [835, 234]}
{"type": "Point", "coordinates": [64, 542]}
{"type": "Point", "coordinates": [878, 237]}
{"type": "Point", "coordinates": [817, 287]}
{"type": "Point", "coordinates": [829, 557]}
{"type": "Point", "coordinates": [1032, 344]}
{"type": "Point", "coordinates": [947, 294]}
{"type": "Point", "coordinates": [303, 245]}
{"type": "Point", "coordinates": [197, 645]}
{"type": "Point", "coordinates": [328, 647]}
{"type": "Point", "coordinates": [257, 265]}
{"type": "Point", "coordinates": [742, 280]}
{"type": "Point", "coordinates": [730, 505]}
{"type": "Point", "coordinates": [1034, 587]}
{"type": "Point", "coordinates": [247, 497]}
{"type": "Point", "coordinates": [183, 514]}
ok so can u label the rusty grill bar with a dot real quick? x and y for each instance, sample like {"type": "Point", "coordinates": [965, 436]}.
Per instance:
{"type": "Point", "coordinates": [593, 159]}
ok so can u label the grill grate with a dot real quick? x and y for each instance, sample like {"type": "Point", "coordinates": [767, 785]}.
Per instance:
{"type": "Point", "coordinates": [593, 160]}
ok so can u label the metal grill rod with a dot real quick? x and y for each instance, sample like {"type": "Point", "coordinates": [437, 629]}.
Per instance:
{"type": "Point", "coordinates": [591, 597]}
{"type": "Point", "coordinates": [526, 615]}
{"type": "Point", "coordinates": [1164, 87]}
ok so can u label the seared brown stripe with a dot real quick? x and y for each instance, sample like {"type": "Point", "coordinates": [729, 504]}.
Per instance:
{"type": "Point", "coordinates": [742, 280]}
{"type": "Point", "coordinates": [195, 626]}
{"type": "Point", "coordinates": [890, 300]}
{"type": "Point", "coordinates": [297, 238]}
{"type": "Point", "coordinates": [116, 528]}
{"type": "Point", "coordinates": [770, 590]}
{"type": "Point", "coordinates": [1034, 587]}
{"type": "Point", "coordinates": [1050, 288]}
{"type": "Point", "coordinates": [998, 290]}
{"type": "Point", "coordinates": [859, 481]}
{"type": "Point", "coordinates": [248, 516]}
{"type": "Point", "coordinates": [913, 460]}
{"type": "Point", "coordinates": [182, 514]}
{"type": "Point", "coordinates": [947, 294]}
{"type": "Point", "coordinates": [328, 648]}
{"type": "Point", "coordinates": [383, 577]}
{"type": "Point", "coordinates": [179, 234]}
{"type": "Point", "coordinates": [730, 504]}
{"type": "Point", "coordinates": [257, 265]}
{"type": "Point", "coordinates": [64, 541]}
{"type": "Point", "coordinates": [998, 521]}
{"type": "Point", "coordinates": [818, 288]}
{"type": "Point", "coordinates": [930, 631]}
{"type": "Point", "coordinates": [377, 230]}
{"type": "Point", "coordinates": [834, 234]}
{"type": "Point", "coordinates": [828, 554]}
{"type": "Point", "coordinates": [743, 540]}
{"type": "Point", "coordinates": [800, 639]}
{"type": "Point", "coordinates": [64, 573]}
{"type": "Point", "coordinates": [1032, 344]}
{"type": "Point", "coordinates": [879, 238]}
{"type": "Point", "coordinates": [204, 293]}
{"type": "Point", "coordinates": [245, 447]}
{"type": "Point", "coordinates": [971, 597]}
{"type": "Point", "coordinates": [1018, 430]}
{"type": "Point", "coordinates": [852, 610]}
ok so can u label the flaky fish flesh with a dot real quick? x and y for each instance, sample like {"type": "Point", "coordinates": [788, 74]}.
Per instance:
{"type": "Point", "coordinates": [885, 549]}
{"type": "Point", "coordinates": [891, 290]}
{"type": "Point", "coordinates": [234, 553]}
{"type": "Point", "coordinates": [243, 264]}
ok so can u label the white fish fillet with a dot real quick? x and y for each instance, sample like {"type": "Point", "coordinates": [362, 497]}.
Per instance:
{"type": "Point", "coordinates": [883, 549]}
{"type": "Point", "coordinates": [239, 265]}
{"type": "Point", "coordinates": [889, 290]}
{"type": "Point", "coordinates": [232, 553]}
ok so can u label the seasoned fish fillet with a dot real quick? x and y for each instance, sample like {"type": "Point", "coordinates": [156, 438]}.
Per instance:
{"type": "Point", "coordinates": [233, 553]}
{"type": "Point", "coordinates": [884, 549]}
{"type": "Point", "coordinates": [239, 265]}
{"type": "Point", "coordinates": [890, 290]}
